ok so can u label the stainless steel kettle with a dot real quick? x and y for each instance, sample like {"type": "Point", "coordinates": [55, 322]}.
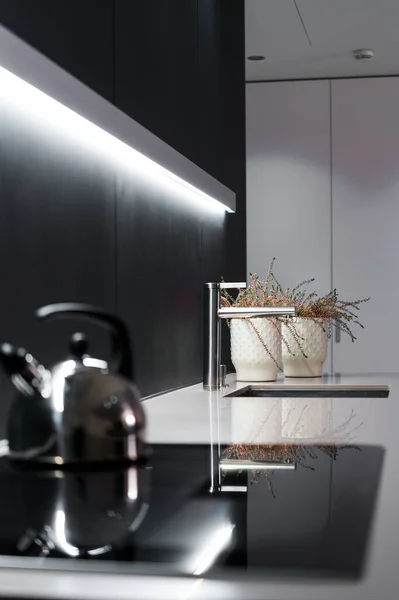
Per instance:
{"type": "Point", "coordinates": [82, 410]}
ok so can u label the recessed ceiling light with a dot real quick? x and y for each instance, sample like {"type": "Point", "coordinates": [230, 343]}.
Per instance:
{"type": "Point", "coordinates": [256, 57]}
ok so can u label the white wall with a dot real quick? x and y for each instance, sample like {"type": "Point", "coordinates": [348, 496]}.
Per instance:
{"type": "Point", "coordinates": [288, 181]}
{"type": "Point", "coordinates": [365, 193]}
{"type": "Point", "coordinates": [323, 197]}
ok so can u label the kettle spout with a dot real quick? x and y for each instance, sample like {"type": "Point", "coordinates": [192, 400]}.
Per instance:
{"type": "Point", "coordinates": [25, 372]}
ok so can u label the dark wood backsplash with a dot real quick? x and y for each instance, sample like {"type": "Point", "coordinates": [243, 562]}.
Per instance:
{"type": "Point", "coordinates": [74, 226]}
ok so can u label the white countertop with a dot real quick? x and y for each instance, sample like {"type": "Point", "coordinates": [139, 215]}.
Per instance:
{"type": "Point", "coordinates": [192, 415]}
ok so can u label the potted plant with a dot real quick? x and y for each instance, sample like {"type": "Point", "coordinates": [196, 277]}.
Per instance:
{"type": "Point", "coordinates": [305, 338]}
{"type": "Point", "coordinates": [255, 342]}
{"type": "Point", "coordinates": [260, 345]}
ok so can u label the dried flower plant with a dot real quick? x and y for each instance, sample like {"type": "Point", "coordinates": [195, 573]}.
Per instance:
{"type": "Point", "coordinates": [327, 311]}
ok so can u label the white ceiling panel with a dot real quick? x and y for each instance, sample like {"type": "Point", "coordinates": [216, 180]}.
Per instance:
{"type": "Point", "coordinates": [316, 38]}
{"type": "Point", "coordinates": [274, 29]}
{"type": "Point", "coordinates": [349, 24]}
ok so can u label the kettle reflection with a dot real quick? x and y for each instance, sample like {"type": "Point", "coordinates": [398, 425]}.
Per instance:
{"type": "Point", "coordinates": [82, 514]}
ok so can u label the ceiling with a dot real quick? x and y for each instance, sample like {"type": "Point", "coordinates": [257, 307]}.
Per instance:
{"type": "Point", "coordinates": [303, 39]}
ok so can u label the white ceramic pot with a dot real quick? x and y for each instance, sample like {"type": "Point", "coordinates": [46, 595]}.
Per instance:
{"type": "Point", "coordinates": [249, 357]}
{"type": "Point", "coordinates": [314, 342]}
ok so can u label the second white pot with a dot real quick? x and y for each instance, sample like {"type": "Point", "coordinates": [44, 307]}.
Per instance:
{"type": "Point", "coordinates": [251, 360]}
{"type": "Point", "coordinates": [314, 343]}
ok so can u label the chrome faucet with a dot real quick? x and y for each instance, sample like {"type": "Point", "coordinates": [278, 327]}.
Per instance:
{"type": "Point", "coordinates": [213, 331]}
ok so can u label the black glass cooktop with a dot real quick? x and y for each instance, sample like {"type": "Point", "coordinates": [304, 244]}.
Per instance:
{"type": "Point", "coordinates": [180, 514]}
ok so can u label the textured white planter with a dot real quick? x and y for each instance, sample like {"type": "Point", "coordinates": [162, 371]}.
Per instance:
{"type": "Point", "coordinates": [255, 420]}
{"type": "Point", "coordinates": [249, 357]}
{"type": "Point", "coordinates": [314, 342]}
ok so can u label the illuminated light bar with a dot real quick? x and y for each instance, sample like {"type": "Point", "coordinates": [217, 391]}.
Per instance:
{"type": "Point", "coordinates": [31, 83]}
{"type": "Point", "coordinates": [219, 542]}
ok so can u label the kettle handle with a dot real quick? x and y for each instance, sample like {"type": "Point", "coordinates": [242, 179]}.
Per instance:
{"type": "Point", "coordinates": [121, 351]}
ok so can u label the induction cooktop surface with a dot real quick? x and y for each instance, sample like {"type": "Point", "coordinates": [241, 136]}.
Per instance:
{"type": "Point", "coordinates": [181, 513]}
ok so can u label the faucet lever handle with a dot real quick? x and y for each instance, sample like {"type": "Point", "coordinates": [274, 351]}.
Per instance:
{"type": "Point", "coordinates": [224, 285]}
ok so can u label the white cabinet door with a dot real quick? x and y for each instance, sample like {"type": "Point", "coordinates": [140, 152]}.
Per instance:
{"type": "Point", "coordinates": [288, 181]}
{"type": "Point", "coordinates": [365, 192]}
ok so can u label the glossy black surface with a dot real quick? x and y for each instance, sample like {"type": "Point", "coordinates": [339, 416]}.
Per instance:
{"type": "Point", "coordinates": [314, 521]}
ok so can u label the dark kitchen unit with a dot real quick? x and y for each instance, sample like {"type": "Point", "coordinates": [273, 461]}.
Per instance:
{"type": "Point", "coordinates": [78, 227]}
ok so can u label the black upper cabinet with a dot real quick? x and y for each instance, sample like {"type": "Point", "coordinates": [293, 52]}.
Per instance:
{"type": "Point", "coordinates": [180, 72]}
{"type": "Point", "coordinates": [233, 164]}
{"type": "Point", "coordinates": [175, 66]}
{"type": "Point", "coordinates": [156, 79]}
{"type": "Point", "coordinates": [210, 92]}
{"type": "Point", "coordinates": [77, 35]}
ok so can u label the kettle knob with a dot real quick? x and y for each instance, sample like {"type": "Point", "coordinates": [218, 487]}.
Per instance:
{"type": "Point", "coordinates": [78, 346]}
{"type": "Point", "coordinates": [122, 361]}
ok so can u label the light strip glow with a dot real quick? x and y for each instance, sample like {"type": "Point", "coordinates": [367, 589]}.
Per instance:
{"type": "Point", "coordinates": [217, 544]}
{"type": "Point", "coordinates": [59, 533]}
{"type": "Point", "coordinates": [31, 100]}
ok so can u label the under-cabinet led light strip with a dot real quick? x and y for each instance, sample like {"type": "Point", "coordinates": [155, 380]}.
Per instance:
{"type": "Point", "coordinates": [31, 100]}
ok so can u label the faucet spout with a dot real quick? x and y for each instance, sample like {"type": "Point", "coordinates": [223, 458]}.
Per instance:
{"type": "Point", "coordinates": [213, 314]}
{"type": "Point", "coordinates": [257, 311]}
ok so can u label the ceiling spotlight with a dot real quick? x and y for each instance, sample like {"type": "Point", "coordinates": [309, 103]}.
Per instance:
{"type": "Point", "coordinates": [256, 57]}
{"type": "Point", "coordinates": [363, 54]}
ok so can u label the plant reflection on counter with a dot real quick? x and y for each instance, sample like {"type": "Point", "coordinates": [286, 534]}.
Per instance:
{"type": "Point", "coordinates": [287, 453]}
{"type": "Point", "coordinates": [296, 421]}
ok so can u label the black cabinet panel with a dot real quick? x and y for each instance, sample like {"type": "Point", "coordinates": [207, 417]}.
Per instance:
{"type": "Point", "coordinates": [180, 71]}
{"type": "Point", "coordinates": [233, 164]}
{"type": "Point", "coordinates": [156, 68]}
{"type": "Point", "coordinates": [77, 35]}
{"type": "Point", "coordinates": [210, 147]}
{"type": "Point", "coordinates": [57, 235]}
{"type": "Point", "coordinates": [160, 283]}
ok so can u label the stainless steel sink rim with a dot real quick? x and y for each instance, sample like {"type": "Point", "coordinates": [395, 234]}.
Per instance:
{"type": "Point", "coordinates": [317, 390]}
